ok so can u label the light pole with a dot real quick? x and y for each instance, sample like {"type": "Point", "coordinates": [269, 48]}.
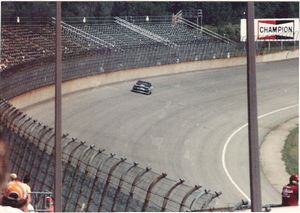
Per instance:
{"type": "Point", "coordinates": [57, 145]}
{"type": "Point", "coordinates": [255, 187]}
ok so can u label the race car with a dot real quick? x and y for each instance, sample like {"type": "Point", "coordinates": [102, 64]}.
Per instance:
{"type": "Point", "coordinates": [143, 87]}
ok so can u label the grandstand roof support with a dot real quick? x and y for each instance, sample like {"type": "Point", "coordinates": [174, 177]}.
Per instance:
{"type": "Point", "coordinates": [58, 79]}
{"type": "Point", "coordinates": [255, 187]}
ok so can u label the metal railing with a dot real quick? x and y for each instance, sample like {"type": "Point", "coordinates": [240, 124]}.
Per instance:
{"type": "Point", "coordinates": [144, 32]}
{"type": "Point", "coordinates": [92, 179]}
{"type": "Point", "coordinates": [39, 201]}
{"type": "Point", "coordinates": [121, 48]}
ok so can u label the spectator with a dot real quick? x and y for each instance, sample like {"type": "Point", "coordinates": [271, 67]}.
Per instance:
{"type": "Point", "coordinates": [15, 195]}
{"type": "Point", "coordinates": [290, 192]}
{"type": "Point", "coordinates": [13, 176]}
{"type": "Point", "coordinates": [26, 180]}
{"type": "Point", "coordinates": [4, 176]}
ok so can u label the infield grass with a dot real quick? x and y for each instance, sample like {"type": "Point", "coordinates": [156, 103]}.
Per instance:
{"type": "Point", "coordinates": [290, 152]}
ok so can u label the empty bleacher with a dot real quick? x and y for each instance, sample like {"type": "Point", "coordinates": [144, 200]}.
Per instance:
{"type": "Point", "coordinates": [21, 43]}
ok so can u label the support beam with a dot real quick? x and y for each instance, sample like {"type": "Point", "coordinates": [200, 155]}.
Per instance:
{"type": "Point", "coordinates": [255, 188]}
{"type": "Point", "coordinates": [58, 79]}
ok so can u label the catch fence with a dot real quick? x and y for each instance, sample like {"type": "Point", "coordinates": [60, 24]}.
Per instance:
{"type": "Point", "coordinates": [92, 179]}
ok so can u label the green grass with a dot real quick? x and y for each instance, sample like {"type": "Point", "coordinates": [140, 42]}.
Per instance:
{"type": "Point", "coordinates": [290, 152]}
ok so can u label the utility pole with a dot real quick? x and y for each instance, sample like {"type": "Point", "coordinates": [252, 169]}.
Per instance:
{"type": "Point", "coordinates": [58, 79]}
{"type": "Point", "coordinates": [255, 187]}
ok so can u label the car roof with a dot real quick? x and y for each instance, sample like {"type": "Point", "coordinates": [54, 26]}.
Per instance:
{"type": "Point", "coordinates": [143, 82]}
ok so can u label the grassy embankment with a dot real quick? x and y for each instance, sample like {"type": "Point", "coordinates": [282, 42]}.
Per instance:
{"type": "Point", "coordinates": [290, 152]}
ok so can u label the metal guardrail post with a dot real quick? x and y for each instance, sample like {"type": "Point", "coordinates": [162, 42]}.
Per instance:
{"type": "Point", "coordinates": [41, 161]}
{"type": "Point", "coordinates": [167, 195]}
{"type": "Point", "coordinates": [14, 133]}
{"type": "Point", "coordinates": [85, 176]}
{"type": "Point", "coordinates": [17, 114]}
{"type": "Point", "coordinates": [5, 113]}
{"type": "Point", "coordinates": [112, 169]}
{"type": "Point", "coordinates": [31, 151]}
{"type": "Point", "coordinates": [14, 126]}
{"type": "Point", "coordinates": [50, 156]}
{"type": "Point", "coordinates": [116, 197]}
{"type": "Point", "coordinates": [17, 126]}
{"type": "Point", "coordinates": [96, 179]}
{"type": "Point", "coordinates": [21, 148]}
{"type": "Point", "coordinates": [187, 195]}
{"type": "Point", "coordinates": [151, 186]}
{"type": "Point", "coordinates": [9, 116]}
{"type": "Point", "coordinates": [217, 194]}
{"type": "Point", "coordinates": [20, 127]}
{"type": "Point", "coordinates": [70, 157]}
{"type": "Point", "coordinates": [136, 179]}
{"type": "Point", "coordinates": [74, 175]}
{"type": "Point", "coordinates": [38, 145]}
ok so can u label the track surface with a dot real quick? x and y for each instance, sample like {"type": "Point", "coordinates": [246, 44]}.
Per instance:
{"type": "Point", "coordinates": [183, 126]}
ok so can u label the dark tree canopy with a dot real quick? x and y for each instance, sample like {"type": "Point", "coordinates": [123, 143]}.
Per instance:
{"type": "Point", "coordinates": [221, 17]}
{"type": "Point", "coordinates": [214, 13]}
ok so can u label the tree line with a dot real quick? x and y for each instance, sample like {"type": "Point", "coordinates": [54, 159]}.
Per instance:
{"type": "Point", "coordinates": [222, 17]}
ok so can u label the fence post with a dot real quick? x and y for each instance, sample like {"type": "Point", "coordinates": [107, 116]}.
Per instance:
{"type": "Point", "coordinates": [6, 113]}
{"type": "Point", "coordinates": [70, 157]}
{"type": "Point", "coordinates": [41, 160]}
{"type": "Point", "coordinates": [120, 185]}
{"type": "Point", "coordinates": [18, 133]}
{"type": "Point", "coordinates": [167, 195]}
{"type": "Point", "coordinates": [21, 148]}
{"type": "Point", "coordinates": [85, 175]}
{"type": "Point", "coordinates": [112, 169]}
{"type": "Point", "coordinates": [151, 186]}
{"type": "Point", "coordinates": [187, 195]}
{"type": "Point", "coordinates": [31, 150]}
{"type": "Point", "coordinates": [17, 114]}
{"type": "Point", "coordinates": [38, 145]}
{"type": "Point", "coordinates": [136, 179]}
{"type": "Point", "coordinates": [96, 179]}
{"type": "Point", "coordinates": [82, 155]}
{"type": "Point", "coordinates": [217, 194]}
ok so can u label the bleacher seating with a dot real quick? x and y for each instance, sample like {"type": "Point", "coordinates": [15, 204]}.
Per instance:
{"type": "Point", "coordinates": [115, 34]}
{"type": "Point", "coordinates": [23, 43]}
{"type": "Point", "coordinates": [175, 33]}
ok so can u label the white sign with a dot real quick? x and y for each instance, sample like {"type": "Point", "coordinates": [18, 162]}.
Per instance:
{"type": "Point", "coordinates": [273, 29]}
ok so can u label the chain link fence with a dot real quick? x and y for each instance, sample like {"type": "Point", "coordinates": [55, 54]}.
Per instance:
{"type": "Point", "coordinates": [102, 45]}
{"type": "Point", "coordinates": [92, 179]}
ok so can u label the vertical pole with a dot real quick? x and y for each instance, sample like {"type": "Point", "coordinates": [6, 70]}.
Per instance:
{"type": "Point", "coordinates": [255, 188]}
{"type": "Point", "coordinates": [0, 31]}
{"type": "Point", "coordinates": [198, 23]}
{"type": "Point", "coordinates": [201, 21]}
{"type": "Point", "coordinates": [58, 79]}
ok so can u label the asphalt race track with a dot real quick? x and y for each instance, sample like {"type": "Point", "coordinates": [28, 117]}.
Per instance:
{"type": "Point", "coordinates": [183, 126]}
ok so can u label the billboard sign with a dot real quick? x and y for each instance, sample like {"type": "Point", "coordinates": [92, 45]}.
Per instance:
{"type": "Point", "coordinates": [273, 29]}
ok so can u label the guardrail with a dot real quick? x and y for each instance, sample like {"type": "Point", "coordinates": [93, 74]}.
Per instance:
{"type": "Point", "coordinates": [92, 179]}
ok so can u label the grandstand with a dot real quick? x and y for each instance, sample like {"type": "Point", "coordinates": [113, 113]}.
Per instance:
{"type": "Point", "coordinates": [24, 42]}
